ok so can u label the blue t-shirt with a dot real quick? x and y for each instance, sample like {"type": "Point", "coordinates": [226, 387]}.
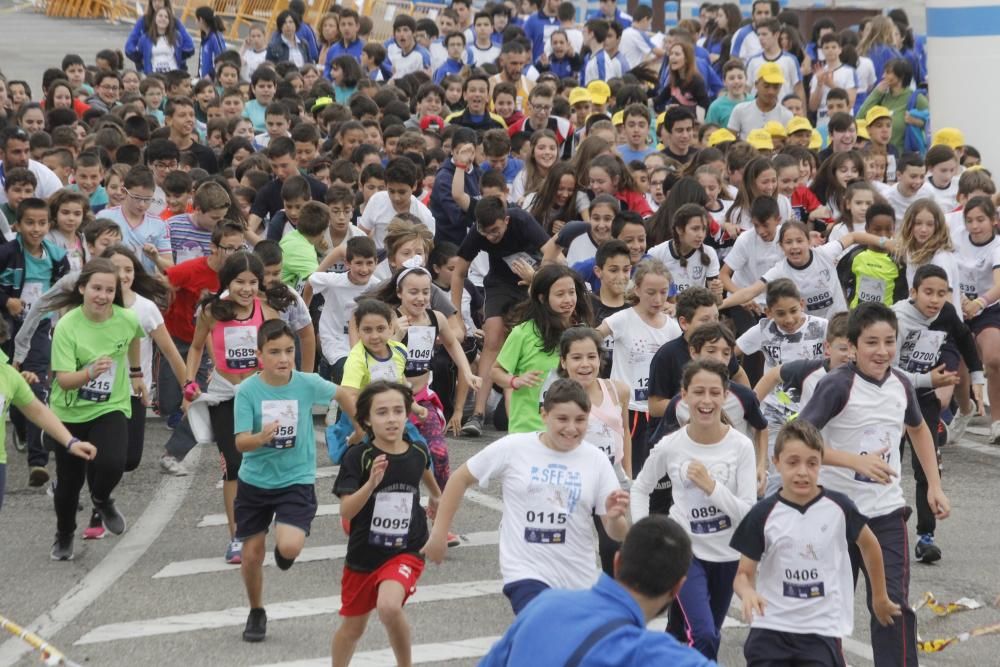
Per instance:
{"type": "Point", "coordinates": [255, 111]}
{"type": "Point", "coordinates": [290, 458]}
{"type": "Point", "coordinates": [629, 155]}
{"type": "Point", "coordinates": [151, 230]}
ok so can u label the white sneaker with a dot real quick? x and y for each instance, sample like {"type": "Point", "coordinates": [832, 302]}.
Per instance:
{"type": "Point", "coordinates": [995, 433]}
{"type": "Point", "coordinates": [956, 429]}
{"type": "Point", "coordinates": [171, 466]}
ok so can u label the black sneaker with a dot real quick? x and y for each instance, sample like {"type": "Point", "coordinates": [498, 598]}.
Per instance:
{"type": "Point", "coordinates": [473, 427]}
{"type": "Point", "coordinates": [256, 627]}
{"type": "Point", "coordinates": [62, 548]}
{"type": "Point", "coordinates": [926, 551]}
{"type": "Point", "coordinates": [110, 516]}
{"type": "Point", "coordinates": [38, 476]}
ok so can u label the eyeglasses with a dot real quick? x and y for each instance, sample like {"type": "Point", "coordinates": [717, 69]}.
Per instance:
{"type": "Point", "coordinates": [141, 200]}
{"type": "Point", "coordinates": [542, 107]}
{"type": "Point", "coordinates": [111, 89]}
{"type": "Point", "coordinates": [229, 250]}
{"type": "Point", "coordinates": [341, 211]}
{"type": "Point", "coordinates": [165, 165]}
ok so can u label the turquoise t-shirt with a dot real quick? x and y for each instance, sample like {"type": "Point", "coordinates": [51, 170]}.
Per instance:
{"type": "Point", "coordinates": [98, 200]}
{"type": "Point", "coordinates": [290, 458]}
{"type": "Point", "coordinates": [255, 111]}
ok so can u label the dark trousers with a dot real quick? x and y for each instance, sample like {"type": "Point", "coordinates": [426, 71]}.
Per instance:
{"type": "Point", "coordinates": [169, 394]}
{"type": "Point", "coordinates": [895, 645]}
{"type": "Point", "coordinates": [37, 362]}
{"type": "Point", "coordinates": [930, 408]}
{"type": "Point", "coordinates": [697, 614]}
{"type": "Point", "coordinates": [136, 435]}
{"type": "Point", "coordinates": [223, 420]}
{"type": "Point", "coordinates": [606, 547]}
{"type": "Point", "coordinates": [109, 434]}
{"type": "Point", "coordinates": [661, 498]}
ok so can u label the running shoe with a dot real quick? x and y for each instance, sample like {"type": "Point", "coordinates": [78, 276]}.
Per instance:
{"type": "Point", "coordinates": [234, 556]}
{"type": "Point", "coordinates": [171, 466]}
{"type": "Point", "coordinates": [38, 476]}
{"type": "Point", "coordinates": [62, 548]}
{"type": "Point", "coordinates": [112, 519]}
{"type": "Point", "coordinates": [454, 540]}
{"type": "Point", "coordinates": [473, 426]}
{"type": "Point", "coordinates": [256, 628]}
{"type": "Point", "coordinates": [958, 425]}
{"type": "Point", "coordinates": [95, 531]}
{"type": "Point", "coordinates": [926, 551]}
{"type": "Point", "coordinates": [20, 443]}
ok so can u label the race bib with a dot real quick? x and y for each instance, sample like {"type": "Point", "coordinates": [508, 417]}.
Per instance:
{"type": "Point", "coordinates": [819, 300]}
{"type": "Point", "coordinates": [30, 294]}
{"type": "Point", "coordinates": [641, 389]}
{"type": "Point", "coordinates": [99, 389]}
{"type": "Point", "coordinates": [875, 440]}
{"type": "Point", "coordinates": [541, 527]}
{"type": "Point", "coordinates": [802, 577]}
{"type": "Point", "coordinates": [706, 519]}
{"type": "Point", "coordinates": [920, 350]}
{"type": "Point", "coordinates": [286, 413]}
{"type": "Point", "coordinates": [189, 251]}
{"type": "Point", "coordinates": [640, 365]}
{"type": "Point", "coordinates": [968, 289]}
{"type": "Point", "coordinates": [520, 256]}
{"type": "Point", "coordinates": [391, 519]}
{"type": "Point", "coordinates": [870, 290]}
{"type": "Point", "coordinates": [241, 347]}
{"type": "Point", "coordinates": [419, 347]}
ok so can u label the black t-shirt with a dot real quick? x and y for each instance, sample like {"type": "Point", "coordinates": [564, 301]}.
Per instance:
{"type": "Point", "coordinates": [524, 235]}
{"type": "Point", "coordinates": [206, 157]}
{"type": "Point", "coordinates": [667, 367]}
{"type": "Point", "coordinates": [383, 528]}
{"type": "Point", "coordinates": [268, 200]}
{"type": "Point", "coordinates": [683, 159]}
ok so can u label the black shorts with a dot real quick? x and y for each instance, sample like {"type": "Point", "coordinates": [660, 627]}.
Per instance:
{"type": "Point", "coordinates": [255, 508]}
{"type": "Point", "coordinates": [949, 356]}
{"type": "Point", "coordinates": [502, 297]}
{"type": "Point", "coordinates": [989, 318]}
{"type": "Point", "coordinates": [771, 648]}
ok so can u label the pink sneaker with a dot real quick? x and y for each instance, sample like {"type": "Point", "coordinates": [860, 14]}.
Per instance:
{"type": "Point", "coordinates": [95, 531]}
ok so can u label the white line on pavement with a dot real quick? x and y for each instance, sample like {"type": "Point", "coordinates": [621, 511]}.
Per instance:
{"type": "Point", "coordinates": [438, 652]}
{"type": "Point", "coordinates": [185, 568]}
{"type": "Point", "coordinates": [129, 549]}
{"type": "Point", "coordinates": [237, 616]}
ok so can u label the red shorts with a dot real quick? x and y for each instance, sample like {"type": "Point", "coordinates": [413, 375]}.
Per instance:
{"type": "Point", "coordinates": [359, 590]}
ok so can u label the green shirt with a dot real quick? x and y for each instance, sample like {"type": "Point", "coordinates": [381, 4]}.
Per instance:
{"type": "Point", "coordinates": [13, 391]}
{"type": "Point", "coordinates": [720, 110]}
{"type": "Point", "coordinates": [522, 352]}
{"type": "Point", "coordinates": [299, 260]}
{"type": "Point", "coordinates": [78, 342]}
{"type": "Point", "coordinates": [897, 104]}
{"type": "Point", "coordinates": [362, 367]}
{"type": "Point", "coordinates": [290, 458]}
{"type": "Point", "coordinates": [875, 276]}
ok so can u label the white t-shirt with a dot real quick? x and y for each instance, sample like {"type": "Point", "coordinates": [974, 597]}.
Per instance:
{"type": "Point", "coordinates": [484, 56]}
{"type": "Point", "coordinates": [297, 314]}
{"type": "Point", "coordinates": [635, 45]}
{"type": "Point", "coordinates": [379, 213]}
{"type": "Point", "coordinates": [251, 60]}
{"type": "Point", "coordinates": [150, 318]}
{"type": "Point", "coordinates": [708, 519]}
{"type": "Point", "coordinates": [339, 294]}
{"type": "Point", "coordinates": [693, 273]}
{"type": "Point", "coordinates": [947, 260]}
{"type": "Point", "coordinates": [947, 198]}
{"type": "Point", "coordinates": [843, 77]}
{"type": "Point", "coordinates": [900, 202]}
{"type": "Point", "coordinates": [785, 210]}
{"type": "Point", "coordinates": [163, 56]}
{"type": "Point", "coordinates": [635, 344]}
{"type": "Point", "coordinates": [575, 36]}
{"type": "Point", "coordinates": [817, 280]}
{"type": "Point", "coordinates": [789, 67]}
{"type": "Point", "coordinates": [751, 257]}
{"type": "Point", "coordinates": [866, 74]}
{"type": "Point", "coordinates": [976, 264]}
{"type": "Point", "coordinates": [549, 498]}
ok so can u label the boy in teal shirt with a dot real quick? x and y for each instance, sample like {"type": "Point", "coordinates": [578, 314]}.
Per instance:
{"type": "Point", "coordinates": [274, 430]}
{"type": "Point", "coordinates": [19, 184]}
{"type": "Point", "coordinates": [300, 246]}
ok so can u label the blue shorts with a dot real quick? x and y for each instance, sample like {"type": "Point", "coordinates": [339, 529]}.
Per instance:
{"type": "Point", "coordinates": [256, 508]}
{"type": "Point", "coordinates": [771, 648]}
{"type": "Point", "coordinates": [523, 591]}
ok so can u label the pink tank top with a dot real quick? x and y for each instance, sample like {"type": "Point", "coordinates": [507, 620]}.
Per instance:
{"type": "Point", "coordinates": [605, 429]}
{"type": "Point", "coordinates": [234, 342]}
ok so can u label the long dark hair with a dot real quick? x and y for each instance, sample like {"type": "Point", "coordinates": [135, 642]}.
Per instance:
{"type": "Point", "coordinates": [687, 190]}
{"type": "Point", "coordinates": [224, 310]}
{"type": "Point", "coordinates": [544, 202]}
{"type": "Point", "coordinates": [215, 24]}
{"type": "Point", "coordinates": [74, 297]}
{"type": "Point", "coordinates": [351, 69]}
{"type": "Point", "coordinates": [143, 283]}
{"type": "Point", "coordinates": [549, 325]}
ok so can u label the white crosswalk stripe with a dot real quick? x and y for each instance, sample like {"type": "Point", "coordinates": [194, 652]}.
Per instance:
{"type": "Point", "coordinates": [309, 554]}
{"type": "Point", "coordinates": [276, 611]}
{"type": "Point", "coordinates": [423, 654]}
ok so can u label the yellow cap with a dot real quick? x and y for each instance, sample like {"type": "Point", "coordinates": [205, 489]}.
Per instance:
{"type": "Point", "coordinates": [948, 136]}
{"type": "Point", "coordinates": [720, 136]}
{"type": "Point", "coordinates": [798, 124]}
{"type": "Point", "coordinates": [661, 119]}
{"type": "Point", "coordinates": [761, 140]}
{"type": "Point", "coordinates": [599, 92]}
{"type": "Point", "coordinates": [875, 113]}
{"type": "Point", "coordinates": [618, 118]}
{"type": "Point", "coordinates": [771, 73]}
{"type": "Point", "coordinates": [579, 94]}
{"type": "Point", "coordinates": [775, 129]}
{"type": "Point", "coordinates": [816, 142]}
{"type": "Point", "coordinates": [862, 126]}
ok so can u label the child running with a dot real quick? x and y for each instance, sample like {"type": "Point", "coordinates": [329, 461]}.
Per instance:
{"type": "Point", "coordinates": [551, 487]}
{"type": "Point", "coordinates": [274, 432]}
{"type": "Point", "coordinates": [91, 346]}
{"type": "Point", "coordinates": [378, 486]}
{"type": "Point", "coordinates": [712, 468]}
{"type": "Point", "coordinates": [794, 576]}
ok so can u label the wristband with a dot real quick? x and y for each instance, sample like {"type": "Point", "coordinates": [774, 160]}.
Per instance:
{"type": "Point", "coordinates": [190, 387]}
{"type": "Point", "coordinates": [72, 441]}
{"type": "Point", "coordinates": [135, 369]}
{"type": "Point", "coordinates": [135, 375]}
{"type": "Point", "coordinates": [881, 241]}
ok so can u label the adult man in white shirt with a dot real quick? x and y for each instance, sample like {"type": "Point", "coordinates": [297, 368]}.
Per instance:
{"type": "Point", "coordinates": [754, 114]}
{"type": "Point", "coordinates": [15, 152]}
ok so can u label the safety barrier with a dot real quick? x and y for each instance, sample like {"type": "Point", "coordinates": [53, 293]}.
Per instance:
{"type": "Point", "coordinates": [382, 13]}
{"type": "Point", "coordinates": [111, 10]}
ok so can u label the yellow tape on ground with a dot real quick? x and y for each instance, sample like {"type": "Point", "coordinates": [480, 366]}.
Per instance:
{"type": "Point", "coordinates": [50, 655]}
{"type": "Point", "coordinates": [939, 609]}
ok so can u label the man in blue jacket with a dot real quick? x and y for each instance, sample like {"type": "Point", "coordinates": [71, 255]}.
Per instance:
{"type": "Point", "coordinates": [606, 625]}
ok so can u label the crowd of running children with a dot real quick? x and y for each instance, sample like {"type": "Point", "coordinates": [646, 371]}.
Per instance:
{"type": "Point", "coordinates": [725, 267]}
